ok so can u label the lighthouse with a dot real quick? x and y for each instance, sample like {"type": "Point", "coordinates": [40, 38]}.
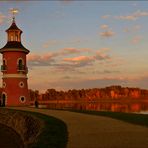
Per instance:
{"type": "Point", "coordinates": [14, 69]}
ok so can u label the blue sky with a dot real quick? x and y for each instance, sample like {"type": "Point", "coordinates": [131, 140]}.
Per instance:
{"type": "Point", "coordinates": [82, 44]}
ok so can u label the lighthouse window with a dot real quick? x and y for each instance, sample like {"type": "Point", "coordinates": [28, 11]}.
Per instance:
{"type": "Point", "coordinates": [4, 84]}
{"type": "Point", "coordinates": [16, 37]}
{"type": "Point", "coordinates": [4, 62]}
{"type": "Point", "coordinates": [11, 38]}
{"type": "Point", "coordinates": [20, 63]}
{"type": "Point", "coordinates": [21, 84]}
{"type": "Point", "coordinates": [22, 99]}
{"type": "Point", "coordinates": [4, 67]}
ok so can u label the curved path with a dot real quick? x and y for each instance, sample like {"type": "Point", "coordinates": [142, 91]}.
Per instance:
{"type": "Point", "coordinates": [87, 131]}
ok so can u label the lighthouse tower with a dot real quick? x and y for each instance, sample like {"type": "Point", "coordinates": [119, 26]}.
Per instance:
{"type": "Point", "coordinates": [14, 69]}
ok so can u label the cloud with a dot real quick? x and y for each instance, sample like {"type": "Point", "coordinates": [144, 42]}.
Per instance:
{"type": "Point", "coordinates": [107, 34]}
{"type": "Point", "coordinates": [110, 71]}
{"type": "Point", "coordinates": [2, 18]}
{"type": "Point", "coordinates": [40, 60]}
{"type": "Point", "coordinates": [132, 29]}
{"type": "Point", "coordinates": [140, 13]}
{"type": "Point", "coordinates": [60, 63]}
{"type": "Point", "coordinates": [104, 49]}
{"type": "Point", "coordinates": [78, 59]}
{"type": "Point", "coordinates": [101, 56]}
{"type": "Point", "coordinates": [134, 16]}
{"type": "Point", "coordinates": [48, 58]}
{"type": "Point", "coordinates": [104, 26]}
{"type": "Point", "coordinates": [66, 77]}
{"type": "Point", "coordinates": [70, 51]}
{"type": "Point", "coordinates": [128, 17]}
{"type": "Point", "coordinates": [105, 72]}
{"type": "Point", "coordinates": [136, 39]}
{"type": "Point", "coordinates": [76, 40]}
{"type": "Point", "coordinates": [105, 16]}
{"type": "Point", "coordinates": [81, 61]}
{"type": "Point", "coordinates": [50, 43]}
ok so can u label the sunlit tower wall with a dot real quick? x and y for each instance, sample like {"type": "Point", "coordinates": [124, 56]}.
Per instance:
{"type": "Point", "coordinates": [14, 69]}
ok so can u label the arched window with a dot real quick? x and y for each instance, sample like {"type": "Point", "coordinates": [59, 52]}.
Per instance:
{"type": "Point", "coordinates": [20, 63]}
{"type": "Point", "coordinates": [3, 67]}
{"type": "Point", "coordinates": [4, 99]}
{"type": "Point", "coordinates": [11, 38]}
{"type": "Point", "coordinates": [16, 38]}
{"type": "Point", "coordinates": [4, 62]}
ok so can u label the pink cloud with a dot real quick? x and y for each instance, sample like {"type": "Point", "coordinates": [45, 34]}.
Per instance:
{"type": "Point", "coordinates": [140, 13]}
{"type": "Point", "coordinates": [132, 29]}
{"type": "Point", "coordinates": [67, 51]}
{"type": "Point", "coordinates": [133, 16]}
{"type": "Point", "coordinates": [101, 56]}
{"type": "Point", "coordinates": [136, 39]}
{"type": "Point", "coordinates": [32, 57]}
{"type": "Point", "coordinates": [127, 17]}
{"type": "Point", "coordinates": [50, 43]}
{"type": "Point", "coordinates": [40, 60]}
{"type": "Point", "coordinates": [78, 59]}
{"type": "Point", "coordinates": [2, 18]}
{"type": "Point", "coordinates": [104, 26]}
{"type": "Point", "coordinates": [107, 33]}
{"type": "Point", "coordinates": [71, 50]}
{"type": "Point", "coordinates": [104, 49]}
{"type": "Point", "coordinates": [105, 16]}
{"type": "Point", "coordinates": [47, 56]}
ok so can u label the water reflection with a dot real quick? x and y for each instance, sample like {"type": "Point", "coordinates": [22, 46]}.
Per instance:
{"type": "Point", "coordinates": [101, 106]}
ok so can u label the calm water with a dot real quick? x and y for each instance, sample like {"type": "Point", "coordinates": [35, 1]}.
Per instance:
{"type": "Point", "coordinates": [130, 106]}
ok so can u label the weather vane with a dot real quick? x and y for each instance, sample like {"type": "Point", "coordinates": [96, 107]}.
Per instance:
{"type": "Point", "coordinates": [14, 11]}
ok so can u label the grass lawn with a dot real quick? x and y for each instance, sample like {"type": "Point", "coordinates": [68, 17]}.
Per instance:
{"type": "Point", "coordinates": [54, 134]}
{"type": "Point", "coordinates": [138, 119]}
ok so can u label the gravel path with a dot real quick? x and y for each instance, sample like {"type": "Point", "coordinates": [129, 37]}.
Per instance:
{"type": "Point", "coordinates": [87, 131]}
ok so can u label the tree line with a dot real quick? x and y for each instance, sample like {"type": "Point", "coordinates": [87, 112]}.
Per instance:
{"type": "Point", "coordinates": [111, 92]}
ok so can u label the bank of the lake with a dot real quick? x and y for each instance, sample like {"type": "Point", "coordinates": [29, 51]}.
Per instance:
{"type": "Point", "coordinates": [134, 118]}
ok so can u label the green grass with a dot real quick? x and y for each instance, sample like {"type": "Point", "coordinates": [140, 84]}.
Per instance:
{"type": "Point", "coordinates": [138, 119]}
{"type": "Point", "coordinates": [54, 133]}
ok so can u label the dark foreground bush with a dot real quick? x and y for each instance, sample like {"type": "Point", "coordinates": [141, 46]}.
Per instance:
{"type": "Point", "coordinates": [35, 129]}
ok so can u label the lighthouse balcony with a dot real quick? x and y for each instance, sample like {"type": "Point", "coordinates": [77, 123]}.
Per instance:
{"type": "Point", "coordinates": [22, 68]}
{"type": "Point", "coordinates": [3, 68]}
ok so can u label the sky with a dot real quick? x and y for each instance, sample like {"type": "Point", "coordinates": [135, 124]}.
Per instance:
{"type": "Point", "coordinates": [82, 44]}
